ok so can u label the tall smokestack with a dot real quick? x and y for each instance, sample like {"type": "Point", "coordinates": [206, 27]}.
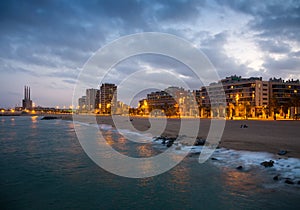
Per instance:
{"type": "Point", "coordinates": [29, 93]}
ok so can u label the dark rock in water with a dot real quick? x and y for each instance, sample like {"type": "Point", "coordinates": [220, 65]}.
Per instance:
{"type": "Point", "coordinates": [298, 182]}
{"type": "Point", "coordinates": [282, 152]}
{"type": "Point", "coordinates": [156, 138]}
{"type": "Point", "coordinates": [172, 139]}
{"type": "Point", "coordinates": [49, 118]}
{"type": "Point", "coordinates": [170, 143]}
{"type": "Point", "coordinates": [131, 120]}
{"type": "Point", "coordinates": [276, 178]}
{"type": "Point", "coordinates": [288, 181]}
{"type": "Point", "coordinates": [239, 167]}
{"type": "Point", "coordinates": [214, 158]}
{"type": "Point", "coordinates": [245, 126]}
{"type": "Point", "coordinates": [267, 163]}
{"type": "Point", "coordinates": [199, 142]}
{"type": "Point", "coordinates": [162, 138]}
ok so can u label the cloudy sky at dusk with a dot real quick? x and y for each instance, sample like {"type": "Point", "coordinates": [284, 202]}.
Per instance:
{"type": "Point", "coordinates": [44, 44]}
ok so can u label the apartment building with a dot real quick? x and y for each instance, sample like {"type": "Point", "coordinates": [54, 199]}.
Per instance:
{"type": "Point", "coordinates": [108, 98]}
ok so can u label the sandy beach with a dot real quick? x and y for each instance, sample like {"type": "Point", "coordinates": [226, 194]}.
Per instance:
{"type": "Point", "coordinates": [260, 135]}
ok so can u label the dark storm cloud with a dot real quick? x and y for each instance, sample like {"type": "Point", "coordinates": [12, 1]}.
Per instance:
{"type": "Point", "coordinates": [273, 46]}
{"type": "Point", "coordinates": [178, 11]}
{"type": "Point", "coordinates": [277, 65]}
{"type": "Point", "coordinates": [279, 19]}
{"type": "Point", "coordinates": [63, 28]}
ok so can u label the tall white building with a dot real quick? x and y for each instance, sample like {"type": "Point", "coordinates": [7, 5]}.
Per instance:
{"type": "Point", "coordinates": [91, 99]}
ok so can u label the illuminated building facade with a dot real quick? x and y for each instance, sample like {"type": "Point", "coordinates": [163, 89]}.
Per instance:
{"type": "Point", "coordinates": [108, 98]}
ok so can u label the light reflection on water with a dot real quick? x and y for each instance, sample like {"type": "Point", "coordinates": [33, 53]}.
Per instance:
{"type": "Point", "coordinates": [34, 120]}
{"type": "Point", "coordinates": [180, 178]}
{"type": "Point", "coordinates": [238, 182]}
{"type": "Point", "coordinates": [144, 150]}
{"type": "Point", "coordinates": [13, 123]}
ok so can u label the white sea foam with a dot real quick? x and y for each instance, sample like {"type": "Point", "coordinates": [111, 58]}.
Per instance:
{"type": "Point", "coordinates": [130, 135]}
{"type": "Point", "coordinates": [135, 136]}
{"type": "Point", "coordinates": [85, 123]}
{"type": "Point", "coordinates": [286, 168]}
{"type": "Point", "coordinates": [105, 127]}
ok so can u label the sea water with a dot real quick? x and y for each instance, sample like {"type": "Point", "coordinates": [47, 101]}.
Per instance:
{"type": "Point", "coordinates": [44, 167]}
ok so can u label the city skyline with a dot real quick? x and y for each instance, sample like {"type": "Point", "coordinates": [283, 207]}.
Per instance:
{"type": "Point", "coordinates": [242, 97]}
{"type": "Point", "coordinates": [244, 38]}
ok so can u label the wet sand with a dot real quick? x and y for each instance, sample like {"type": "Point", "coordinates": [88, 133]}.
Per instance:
{"type": "Point", "coordinates": [260, 135]}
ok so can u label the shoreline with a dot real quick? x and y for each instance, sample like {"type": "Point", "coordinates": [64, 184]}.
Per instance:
{"type": "Point", "coordinates": [259, 136]}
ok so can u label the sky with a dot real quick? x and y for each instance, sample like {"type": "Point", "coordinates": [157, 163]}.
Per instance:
{"type": "Point", "coordinates": [45, 44]}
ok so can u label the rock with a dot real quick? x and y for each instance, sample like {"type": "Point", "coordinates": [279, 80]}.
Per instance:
{"type": "Point", "coordinates": [156, 138]}
{"type": "Point", "coordinates": [49, 118]}
{"type": "Point", "coordinates": [239, 167]}
{"type": "Point", "coordinates": [170, 143]}
{"type": "Point", "coordinates": [199, 142]}
{"type": "Point", "coordinates": [282, 152]}
{"type": "Point", "coordinates": [267, 163]}
{"type": "Point", "coordinates": [172, 139]}
{"type": "Point", "coordinates": [288, 181]}
{"type": "Point", "coordinates": [245, 126]}
{"type": "Point", "coordinates": [214, 158]}
{"type": "Point", "coordinates": [162, 138]}
{"type": "Point", "coordinates": [298, 182]}
{"type": "Point", "coordinates": [276, 178]}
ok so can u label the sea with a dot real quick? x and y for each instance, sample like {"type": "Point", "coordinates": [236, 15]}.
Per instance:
{"type": "Point", "coordinates": [43, 166]}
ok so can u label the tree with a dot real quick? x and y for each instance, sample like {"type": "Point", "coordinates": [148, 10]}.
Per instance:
{"type": "Point", "coordinates": [274, 105]}
{"type": "Point", "coordinates": [295, 102]}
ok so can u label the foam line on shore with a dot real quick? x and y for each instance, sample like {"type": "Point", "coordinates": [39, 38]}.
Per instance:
{"type": "Point", "coordinates": [144, 138]}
